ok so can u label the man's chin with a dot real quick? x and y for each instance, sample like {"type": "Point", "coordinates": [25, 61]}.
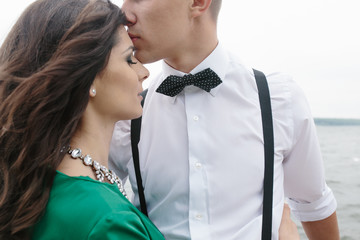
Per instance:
{"type": "Point", "coordinates": [145, 58]}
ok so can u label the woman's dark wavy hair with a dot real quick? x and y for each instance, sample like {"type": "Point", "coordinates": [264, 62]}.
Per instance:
{"type": "Point", "coordinates": [47, 65]}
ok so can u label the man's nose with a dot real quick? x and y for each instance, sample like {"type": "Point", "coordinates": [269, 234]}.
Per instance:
{"type": "Point", "coordinates": [130, 16]}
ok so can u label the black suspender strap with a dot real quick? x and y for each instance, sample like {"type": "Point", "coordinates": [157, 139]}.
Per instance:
{"type": "Point", "coordinates": [267, 123]}
{"type": "Point", "coordinates": [135, 138]}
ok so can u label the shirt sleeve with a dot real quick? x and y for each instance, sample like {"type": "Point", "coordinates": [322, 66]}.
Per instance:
{"type": "Point", "coordinates": [123, 225]}
{"type": "Point", "coordinates": [304, 179]}
{"type": "Point", "coordinates": [120, 149]}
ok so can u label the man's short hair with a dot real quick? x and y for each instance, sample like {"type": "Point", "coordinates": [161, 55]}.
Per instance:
{"type": "Point", "coordinates": [215, 8]}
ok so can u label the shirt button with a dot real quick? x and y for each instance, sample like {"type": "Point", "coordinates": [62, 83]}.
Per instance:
{"type": "Point", "coordinates": [196, 118]}
{"type": "Point", "coordinates": [198, 165]}
{"type": "Point", "coordinates": [199, 217]}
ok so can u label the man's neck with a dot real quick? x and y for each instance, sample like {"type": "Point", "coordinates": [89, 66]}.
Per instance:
{"type": "Point", "coordinates": [193, 54]}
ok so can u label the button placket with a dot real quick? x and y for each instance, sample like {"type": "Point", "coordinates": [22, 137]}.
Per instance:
{"type": "Point", "coordinates": [199, 217]}
{"type": "Point", "coordinates": [198, 202]}
{"type": "Point", "coordinates": [198, 165]}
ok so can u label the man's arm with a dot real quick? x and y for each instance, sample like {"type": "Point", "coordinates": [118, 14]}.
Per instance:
{"type": "Point", "coordinates": [326, 229]}
{"type": "Point", "coordinates": [120, 149]}
{"type": "Point", "coordinates": [305, 187]}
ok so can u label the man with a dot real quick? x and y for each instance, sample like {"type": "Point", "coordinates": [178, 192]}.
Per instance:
{"type": "Point", "coordinates": [201, 153]}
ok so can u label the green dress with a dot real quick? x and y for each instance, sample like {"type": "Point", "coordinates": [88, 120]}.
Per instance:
{"type": "Point", "coordinates": [83, 208]}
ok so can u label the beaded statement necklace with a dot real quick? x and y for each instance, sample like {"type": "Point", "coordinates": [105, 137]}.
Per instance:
{"type": "Point", "coordinates": [101, 171]}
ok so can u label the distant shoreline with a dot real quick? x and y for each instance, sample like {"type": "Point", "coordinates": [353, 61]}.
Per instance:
{"type": "Point", "coordinates": [336, 122]}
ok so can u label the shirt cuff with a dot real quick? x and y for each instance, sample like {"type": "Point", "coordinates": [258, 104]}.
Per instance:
{"type": "Point", "coordinates": [314, 211]}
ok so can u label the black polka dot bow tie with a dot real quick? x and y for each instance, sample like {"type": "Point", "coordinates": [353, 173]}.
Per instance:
{"type": "Point", "coordinates": [173, 85]}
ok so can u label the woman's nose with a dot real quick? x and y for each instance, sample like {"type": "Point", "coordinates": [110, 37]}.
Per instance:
{"type": "Point", "coordinates": [143, 73]}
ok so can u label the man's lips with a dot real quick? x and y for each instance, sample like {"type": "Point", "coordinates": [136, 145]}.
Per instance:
{"type": "Point", "coordinates": [133, 37]}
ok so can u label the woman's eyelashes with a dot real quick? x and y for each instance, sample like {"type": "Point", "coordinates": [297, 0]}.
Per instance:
{"type": "Point", "coordinates": [129, 59]}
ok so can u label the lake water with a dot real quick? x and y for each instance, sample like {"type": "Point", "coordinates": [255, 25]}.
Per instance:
{"type": "Point", "coordinates": [340, 145]}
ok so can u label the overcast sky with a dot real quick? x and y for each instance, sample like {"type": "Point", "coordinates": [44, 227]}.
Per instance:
{"type": "Point", "coordinates": [315, 41]}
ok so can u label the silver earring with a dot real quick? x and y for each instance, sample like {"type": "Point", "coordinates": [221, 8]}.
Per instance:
{"type": "Point", "coordinates": [93, 91]}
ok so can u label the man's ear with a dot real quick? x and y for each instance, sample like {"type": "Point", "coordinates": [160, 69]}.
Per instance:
{"type": "Point", "coordinates": [199, 7]}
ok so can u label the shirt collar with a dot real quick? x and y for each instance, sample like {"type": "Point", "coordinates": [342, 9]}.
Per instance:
{"type": "Point", "coordinates": [217, 61]}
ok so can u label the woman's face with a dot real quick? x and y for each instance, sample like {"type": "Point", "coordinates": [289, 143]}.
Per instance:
{"type": "Point", "coordinates": [118, 86]}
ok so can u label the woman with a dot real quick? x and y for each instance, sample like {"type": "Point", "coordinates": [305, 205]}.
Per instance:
{"type": "Point", "coordinates": [67, 74]}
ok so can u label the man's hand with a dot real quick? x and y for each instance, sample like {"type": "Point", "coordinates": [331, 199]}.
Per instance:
{"type": "Point", "coordinates": [288, 229]}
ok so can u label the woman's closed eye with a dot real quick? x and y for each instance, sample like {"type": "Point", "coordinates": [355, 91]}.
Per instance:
{"type": "Point", "coordinates": [129, 59]}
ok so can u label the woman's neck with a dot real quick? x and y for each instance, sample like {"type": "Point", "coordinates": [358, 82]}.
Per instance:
{"type": "Point", "coordinates": [95, 142]}
{"type": "Point", "coordinates": [93, 138]}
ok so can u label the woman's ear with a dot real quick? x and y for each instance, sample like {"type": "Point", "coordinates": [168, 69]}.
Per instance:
{"type": "Point", "coordinates": [199, 7]}
{"type": "Point", "coordinates": [92, 91]}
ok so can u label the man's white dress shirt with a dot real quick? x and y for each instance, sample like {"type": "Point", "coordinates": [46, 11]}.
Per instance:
{"type": "Point", "coordinates": [202, 155]}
